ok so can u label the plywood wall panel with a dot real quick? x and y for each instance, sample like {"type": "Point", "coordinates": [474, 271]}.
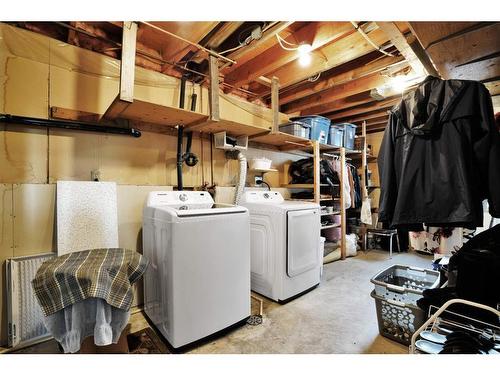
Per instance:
{"type": "Point", "coordinates": [141, 161]}
{"type": "Point", "coordinates": [25, 87]}
{"type": "Point", "coordinates": [72, 155]}
{"type": "Point", "coordinates": [24, 72]}
{"type": "Point", "coordinates": [6, 251]}
{"type": "Point", "coordinates": [34, 219]}
{"type": "Point", "coordinates": [23, 154]}
{"type": "Point", "coordinates": [81, 91]}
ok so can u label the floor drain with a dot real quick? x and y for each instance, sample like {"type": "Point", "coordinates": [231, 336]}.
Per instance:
{"type": "Point", "coordinates": [255, 320]}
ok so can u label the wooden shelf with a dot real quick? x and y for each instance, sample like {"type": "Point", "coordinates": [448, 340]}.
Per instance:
{"type": "Point", "coordinates": [330, 226]}
{"type": "Point", "coordinates": [139, 110]}
{"type": "Point", "coordinates": [330, 213]}
{"type": "Point", "coordinates": [301, 186]}
{"type": "Point", "coordinates": [231, 127]}
{"type": "Point", "coordinates": [264, 170]}
{"type": "Point", "coordinates": [282, 140]}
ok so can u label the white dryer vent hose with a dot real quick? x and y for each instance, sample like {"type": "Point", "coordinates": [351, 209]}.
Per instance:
{"type": "Point", "coordinates": [242, 177]}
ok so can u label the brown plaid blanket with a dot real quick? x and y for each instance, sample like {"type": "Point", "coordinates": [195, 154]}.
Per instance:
{"type": "Point", "coordinates": [100, 273]}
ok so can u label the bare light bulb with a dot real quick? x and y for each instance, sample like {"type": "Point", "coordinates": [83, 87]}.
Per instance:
{"type": "Point", "coordinates": [304, 54]}
{"type": "Point", "coordinates": [399, 83]}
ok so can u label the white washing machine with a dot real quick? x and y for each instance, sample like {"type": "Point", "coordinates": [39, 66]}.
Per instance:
{"type": "Point", "coordinates": [285, 245]}
{"type": "Point", "coordinates": [198, 281]}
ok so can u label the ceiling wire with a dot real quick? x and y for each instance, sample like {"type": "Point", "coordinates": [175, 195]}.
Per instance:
{"type": "Point", "coordinates": [364, 35]}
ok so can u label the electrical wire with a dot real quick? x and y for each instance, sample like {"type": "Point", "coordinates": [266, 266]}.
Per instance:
{"type": "Point", "coordinates": [281, 40]}
{"type": "Point", "coordinates": [315, 78]}
{"type": "Point", "coordinates": [364, 35]}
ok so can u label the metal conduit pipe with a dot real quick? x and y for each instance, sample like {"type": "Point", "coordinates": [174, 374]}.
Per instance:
{"type": "Point", "coordinates": [70, 125]}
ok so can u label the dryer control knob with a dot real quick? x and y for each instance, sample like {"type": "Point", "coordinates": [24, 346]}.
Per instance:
{"type": "Point", "coordinates": [266, 195]}
{"type": "Point", "coordinates": [183, 197]}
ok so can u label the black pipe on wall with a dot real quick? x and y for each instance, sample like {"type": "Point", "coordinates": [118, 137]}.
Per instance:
{"type": "Point", "coordinates": [180, 132]}
{"type": "Point", "coordinates": [67, 124]}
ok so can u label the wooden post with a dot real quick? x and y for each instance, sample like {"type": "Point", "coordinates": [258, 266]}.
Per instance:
{"type": "Point", "coordinates": [364, 192]}
{"type": "Point", "coordinates": [317, 177]}
{"type": "Point", "coordinates": [275, 104]}
{"type": "Point", "coordinates": [342, 206]}
{"type": "Point", "coordinates": [214, 88]}
{"type": "Point", "coordinates": [127, 65]}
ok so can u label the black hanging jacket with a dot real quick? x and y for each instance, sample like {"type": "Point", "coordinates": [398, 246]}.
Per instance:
{"type": "Point", "coordinates": [440, 157]}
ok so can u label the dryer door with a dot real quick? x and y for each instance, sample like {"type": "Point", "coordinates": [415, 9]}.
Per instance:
{"type": "Point", "coordinates": [302, 241]}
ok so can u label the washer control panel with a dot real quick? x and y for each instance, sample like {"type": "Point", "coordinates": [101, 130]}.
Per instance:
{"type": "Point", "coordinates": [176, 198]}
{"type": "Point", "coordinates": [257, 196]}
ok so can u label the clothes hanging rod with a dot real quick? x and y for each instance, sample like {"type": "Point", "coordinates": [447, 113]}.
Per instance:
{"type": "Point", "coordinates": [70, 125]}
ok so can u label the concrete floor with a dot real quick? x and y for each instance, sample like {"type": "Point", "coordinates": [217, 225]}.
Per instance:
{"type": "Point", "coordinates": [337, 317]}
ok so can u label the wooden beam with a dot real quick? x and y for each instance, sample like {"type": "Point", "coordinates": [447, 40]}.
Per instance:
{"type": "Point", "coordinates": [331, 55]}
{"type": "Point", "coordinates": [472, 55]}
{"type": "Point", "coordinates": [429, 33]}
{"type": "Point", "coordinates": [415, 56]}
{"type": "Point", "coordinates": [264, 81]}
{"type": "Point", "coordinates": [127, 63]}
{"type": "Point", "coordinates": [333, 80]}
{"type": "Point", "coordinates": [73, 115]}
{"type": "Point", "coordinates": [336, 92]}
{"type": "Point", "coordinates": [214, 88]}
{"type": "Point", "coordinates": [275, 104]}
{"type": "Point", "coordinates": [367, 116]}
{"type": "Point", "coordinates": [388, 103]}
{"type": "Point", "coordinates": [222, 34]}
{"type": "Point", "coordinates": [317, 34]}
{"type": "Point", "coordinates": [255, 48]}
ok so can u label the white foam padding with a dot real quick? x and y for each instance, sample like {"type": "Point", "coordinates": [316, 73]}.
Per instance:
{"type": "Point", "coordinates": [87, 216]}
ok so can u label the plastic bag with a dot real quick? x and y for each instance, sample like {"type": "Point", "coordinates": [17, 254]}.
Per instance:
{"type": "Point", "coordinates": [350, 245]}
{"type": "Point", "coordinates": [366, 211]}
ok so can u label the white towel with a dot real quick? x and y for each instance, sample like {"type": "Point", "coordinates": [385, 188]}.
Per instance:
{"type": "Point", "coordinates": [90, 317]}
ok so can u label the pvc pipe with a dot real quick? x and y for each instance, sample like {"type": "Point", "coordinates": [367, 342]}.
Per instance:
{"type": "Point", "coordinates": [242, 177]}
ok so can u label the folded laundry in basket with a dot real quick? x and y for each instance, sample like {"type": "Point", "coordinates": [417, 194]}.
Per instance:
{"type": "Point", "coordinates": [101, 273]}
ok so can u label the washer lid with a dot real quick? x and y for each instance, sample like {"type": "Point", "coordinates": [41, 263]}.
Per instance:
{"type": "Point", "coordinates": [214, 209]}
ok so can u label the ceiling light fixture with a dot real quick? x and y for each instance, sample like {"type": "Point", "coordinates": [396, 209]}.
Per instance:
{"type": "Point", "coordinates": [304, 50]}
{"type": "Point", "coordinates": [304, 54]}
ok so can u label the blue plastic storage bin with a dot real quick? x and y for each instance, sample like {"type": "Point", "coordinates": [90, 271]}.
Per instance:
{"type": "Point", "coordinates": [296, 128]}
{"type": "Point", "coordinates": [320, 127]}
{"type": "Point", "coordinates": [349, 134]}
{"type": "Point", "coordinates": [336, 137]}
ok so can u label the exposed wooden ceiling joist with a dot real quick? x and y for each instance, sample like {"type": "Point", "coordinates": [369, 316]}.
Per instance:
{"type": "Point", "coordinates": [317, 34]}
{"type": "Point", "coordinates": [371, 65]}
{"type": "Point", "coordinates": [226, 29]}
{"type": "Point", "coordinates": [416, 57]}
{"type": "Point", "coordinates": [256, 47]}
{"type": "Point", "coordinates": [308, 105]}
{"type": "Point", "coordinates": [367, 116]}
{"type": "Point", "coordinates": [173, 49]}
{"type": "Point", "coordinates": [472, 53]}
{"type": "Point", "coordinates": [331, 55]}
{"type": "Point", "coordinates": [387, 103]}
{"type": "Point", "coordinates": [429, 33]}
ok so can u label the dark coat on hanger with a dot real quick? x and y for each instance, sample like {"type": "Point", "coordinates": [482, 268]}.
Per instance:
{"type": "Point", "coordinates": [440, 156]}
